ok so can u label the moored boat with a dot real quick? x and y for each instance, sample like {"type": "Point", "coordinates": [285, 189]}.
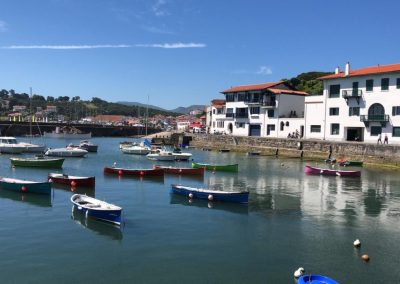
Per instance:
{"type": "Point", "coordinates": [66, 152]}
{"type": "Point", "coordinates": [37, 161]}
{"type": "Point", "coordinates": [330, 172]}
{"type": "Point", "coordinates": [180, 171]}
{"type": "Point", "coordinates": [161, 155]}
{"type": "Point", "coordinates": [88, 146]}
{"type": "Point", "coordinates": [350, 163]}
{"type": "Point", "coordinates": [134, 172]}
{"type": "Point", "coordinates": [72, 180]}
{"type": "Point", "coordinates": [136, 150]}
{"type": "Point", "coordinates": [211, 195]}
{"type": "Point", "coordinates": [214, 167]}
{"type": "Point", "coordinates": [315, 279]}
{"type": "Point", "coordinates": [25, 186]}
{"type": "Point", "coordinates": [181, 156]}
{"type": "Point", "coordinates": [32, 148]}
{"type": "Point", "coordinates": [9, 145]}
{"type": "Point", "coordinates": [97, 209]}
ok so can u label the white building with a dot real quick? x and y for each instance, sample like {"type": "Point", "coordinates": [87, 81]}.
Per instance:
{"type": "Point", "coordinates": [217, 117]}
{"type": "Point", "coordinates": [356, 105]}
{"type": "Point", "coordinates": [273, 109]}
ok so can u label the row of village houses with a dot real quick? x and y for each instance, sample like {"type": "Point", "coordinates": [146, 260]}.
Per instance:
{"type": "Point", "coordinates": [356, 105]}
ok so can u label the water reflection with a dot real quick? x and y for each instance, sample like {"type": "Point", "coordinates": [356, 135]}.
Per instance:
{"type": "Point", "coordinates": [89, 191]}
{"type": "Point", "coordinates": [40, 200]}
{"type": "Point", "coordinates": [156, 179]}
{"type": "Point", "coordinates": [101, 228]}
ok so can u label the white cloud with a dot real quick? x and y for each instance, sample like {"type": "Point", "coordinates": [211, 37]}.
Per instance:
{"type": "Point", "coordinates": [264, 70]}
{"type": "Point", "coordinates": [3, 26]}
{"type": "Point", "coordinates": [158, 8]}
{"type": "Point", "coordinates": [163, 45]}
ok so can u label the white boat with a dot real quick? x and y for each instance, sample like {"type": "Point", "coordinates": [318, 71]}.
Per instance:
{"type": "Point", "coordinates": [181, 156]}
{"type": "Point", "coordinates": [161, 155]}
{"type": "Point", "coordinates": [66, 152]}
{"type": "Point", "coordinates": [9, 145]}
{"type": "Point", "coordinates": [32, 148]}
{"type": "Point", "coordinates": [67, 133]}
{"type": "Point", "coordinates": [136, 150]}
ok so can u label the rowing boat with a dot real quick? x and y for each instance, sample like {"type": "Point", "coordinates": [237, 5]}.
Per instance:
{"type": "Point", "coordinates": [214, 167]}
{"type": "Point", "coordinates": [134, 172]}
{"type": "Point", "coordinates": [330, 172]}
{"type": "Point", "coordinates": [71, 180]}
{"type": "Point", "coordinates": [180, 171]}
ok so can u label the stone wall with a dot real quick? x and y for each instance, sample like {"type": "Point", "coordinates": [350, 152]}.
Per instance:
{"type": "Point", "coordinates": [306, 149]}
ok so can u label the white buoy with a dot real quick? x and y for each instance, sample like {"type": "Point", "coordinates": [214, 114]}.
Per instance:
{"type": "Point", "coordinates": [357, 243]}
{"type": "Point", "coordinates": [190, 195]}
{"type": "Point", "coordinates": [210, 197]}
{"type": "Point", "coordinates": [115, 164]}
{"type": "Point", "coordinates": [300, 271]}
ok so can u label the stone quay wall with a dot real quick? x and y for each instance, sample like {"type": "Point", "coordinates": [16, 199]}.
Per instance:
{"type": "Point", "coordinates": [371, 154]}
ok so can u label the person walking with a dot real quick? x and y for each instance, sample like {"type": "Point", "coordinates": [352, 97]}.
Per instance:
{"type": "Point", "coordinates": [386, 140]}
{"type": "Point", "coordinates": [379, 138]}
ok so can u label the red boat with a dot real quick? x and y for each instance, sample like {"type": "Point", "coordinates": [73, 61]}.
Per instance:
{"type": "Point", "coordinates": [330, 172]}
{"type": "Point", "coordinates": [134, 172]}
{"type": "Point", "coordinates": [71, 180]}
{"type": "Point", "coordinates": [181, 171]}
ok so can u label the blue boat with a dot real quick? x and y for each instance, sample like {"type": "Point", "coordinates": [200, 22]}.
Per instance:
{"type": "Point", "coordinates": [211, 195]}
{"type": "Point", "coordinates": [315, 279]}
{"type": "Point", "coordinates": [27, 186]}
{"type": "Point", "coordinates": [97, 209]}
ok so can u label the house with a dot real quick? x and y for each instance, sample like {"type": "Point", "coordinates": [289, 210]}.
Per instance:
{"type": "Point", "coordinates": [19, 108]}
{"type": "Point", "coordinates": [274, 109]}
{"type": "Point", "coordinates": [356, 105]}
{"type": "Point", "coordinates": [216, 116]}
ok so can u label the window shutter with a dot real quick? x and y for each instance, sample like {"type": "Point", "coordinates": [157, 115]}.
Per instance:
{"type": "Point", "coordinates": [394, 111]}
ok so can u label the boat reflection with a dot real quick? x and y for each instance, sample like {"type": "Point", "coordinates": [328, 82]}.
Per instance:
{"type": "Point", "coordinates": [224, 206]}
{"type": "Point", "coordinates": [101, 228]}
{"type": "Point", "coordinates": [89, 191]}
{"type": "Point", "coordinates": [40, 200]}
{"type": "Point", "coordinates": [156, 179]}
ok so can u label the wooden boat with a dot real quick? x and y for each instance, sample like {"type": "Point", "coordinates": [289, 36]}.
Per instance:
{"type": "Point", "coordinates": [97, 209]}
{"type": "Point", "coordinates": [330, 172]}
{"type": "Point", "coordinates": [315, 279]}
{"type": "Point", "coordinates": [71, 180]}
{"type": "Point", "coordinates": [37, 161]}
{"type": "Point", "coordinates": [352, 163]}
{"type": "Point", "coordinates": [25, 186]}
{"type": "Point", "coordinates": [213, 167]}
{"type": "Point", "coordinates": [66, 152]}
{"type": "Point", "coordinates": [211, 195]}
{"type": "Point", "coordinates": [180, 171]}
{"type": "Point", "coordinates": [134, 172]}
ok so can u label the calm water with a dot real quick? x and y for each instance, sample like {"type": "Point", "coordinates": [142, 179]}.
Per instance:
{"type": "Point", "coordinates": [292, 220]}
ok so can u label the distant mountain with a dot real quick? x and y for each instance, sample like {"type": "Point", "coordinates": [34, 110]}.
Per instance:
{"type": "Point", "coordinates": [183, 110]}
{"type": "Point", "coordinates": [188, 109]}
{"type": "Point", "coordinates": [141, 105]}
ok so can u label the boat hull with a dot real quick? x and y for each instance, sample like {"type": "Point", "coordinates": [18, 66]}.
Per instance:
{"type": "Point", "coordinates": [11, 150]}
{"type": "Point", "coordinates": [210, 167]}
{"type": "Point", "coordinates": [329, 172]}
{"type": "Point", "coordinates": [315, 279]}
{"type": "Point", "coordinates": [211, 195]}
{"type": "Point", "coordinates": [156, 157]}
{"type": "Point", "coordinates": [135, 150]}
{"type": "Point", "coordinates": [89, 148]}
{"type": "Point", "coordinates": [181, 171]}
{"type": "Point", "coordinates": [25, 186]}
{"type": "Point", "coordinates": [76, 153]}
{"type": "Point", "coordinates": [72, 180]}
{"type": "Point", "coordinates": [351, 163]}
{"type": "Point", "coordinates": [134, 172]}
{"type": "Point", "coordinates": [67, 135]}
{"type": "Point", "coordinates": [43, 163]}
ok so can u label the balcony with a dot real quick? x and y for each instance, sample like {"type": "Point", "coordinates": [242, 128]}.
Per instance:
{"type": "Point", "coordinates": [230, 115]}
{"type": "Point", "coordinates": [381, 118]}
{"type": "Point", "coordinates": [242, 115]}
{"type": "Point", "coordinates": [252, 101]}
{"type": "Point", "coordinates": [352, 94]}
{"type": "Point", "coordinates": [268, 104]}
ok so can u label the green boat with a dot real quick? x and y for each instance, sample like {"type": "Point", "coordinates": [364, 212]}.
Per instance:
{"type": "Point", "coordinates": [27, 186]}
{"type": "Point", "coordinates": [351, 163]}
{"type": "Point", "coordinates": [211, 167]}
{"type": "Point", "coordinates": [37, 161]}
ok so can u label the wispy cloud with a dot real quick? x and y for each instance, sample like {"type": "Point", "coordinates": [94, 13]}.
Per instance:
{"type": "Point", "coordinates": [156, 30]}
{"type": "Point", "coordinates": [159, 8]}
{"type": "Point", "coordinates": [3, 26]}
{"type": "Point", "coordinates": [264, 70]}
{"type": "Point", "coordinates": [162, 45]}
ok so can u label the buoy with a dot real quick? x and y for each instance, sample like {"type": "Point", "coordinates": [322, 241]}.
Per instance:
{"type": "Point", "coordinates": [210, 197]}
{"type": "Point", "coordinates": [73, 183]}
{"type": "Point", "coordinates": [180, 170]}
{"type": "Point", "coordinates": [141, 173]}
{"type": "Point", "coordinates": [300, 271]}
{"type": "Point", "coordinates": [50, 180]}
{"type": "Point", "coordinates": [357, 243]}
{"type": "Point", "coordinates": [23, 188]}
{"type": "Point", "coordinates": [120, 172]}
{"type": "Point", "coordinates": [190, 195]}
{"type": "Point", "coordinates": [115, 164]}
{"type": "Point", "coordinates": [365, 257]}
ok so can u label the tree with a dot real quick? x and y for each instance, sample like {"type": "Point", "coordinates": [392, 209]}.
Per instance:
{"type": "Point", "coordinates": [50, 99]}
{"type": "Point", "coordinates": [63, 98]}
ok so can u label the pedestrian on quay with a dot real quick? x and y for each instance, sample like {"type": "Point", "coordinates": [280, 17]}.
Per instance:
{"type": "Point", "coordinates": [386, 140]}
{"type": "Point", "coordinates": [379, 138]}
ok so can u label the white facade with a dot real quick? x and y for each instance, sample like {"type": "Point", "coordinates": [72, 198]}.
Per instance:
{"type": "Point", "coordinates": [349, 110]}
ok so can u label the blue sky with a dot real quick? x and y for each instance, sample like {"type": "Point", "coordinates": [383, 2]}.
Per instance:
{"type": "Point", "coordinates": [183, 52]}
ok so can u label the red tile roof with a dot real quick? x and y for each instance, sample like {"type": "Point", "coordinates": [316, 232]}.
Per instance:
{"type": "Point", "coordinates": [365, 71]}
{"type": "Point", "coordinates": [287, 92]}
{"type": "Point", "coordinates": [255, 87]}
{"type": "Point", "coordinates": [217, 102]}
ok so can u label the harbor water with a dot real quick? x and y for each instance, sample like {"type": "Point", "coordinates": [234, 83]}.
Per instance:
{"type": "Point", "coordinates": [292, 220]}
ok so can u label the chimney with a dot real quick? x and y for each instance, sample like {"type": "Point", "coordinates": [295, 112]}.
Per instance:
{"type": "Point", "coordinates": [337, 70]}
{"type": "Point", "coordinates": [347, 69]}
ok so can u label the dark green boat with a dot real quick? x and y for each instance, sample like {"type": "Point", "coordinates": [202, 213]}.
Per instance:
{"type": "Point", "coordinates": [27, 186]}
{"type": "Point", "coordinates": [225, 168]}
{"type": "Point", "coordinates": [353, 163]}
{"type": "Point", "coordinates": [37, 161]}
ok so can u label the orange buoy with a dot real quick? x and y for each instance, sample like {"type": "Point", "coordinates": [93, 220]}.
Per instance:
{"type": "Point", "coordinates": [73, 183]}
{"type": "Point", "coordinates": [120, 172]}
{"type": "Point", "coordinates": [365, 257]}
{"type": "Point", "coordinates": [23, 188]}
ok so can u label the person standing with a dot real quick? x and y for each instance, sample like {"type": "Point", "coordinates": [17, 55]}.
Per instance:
{"type": "Point", "coordinates": [386, 140]}
{"type": "Point", "coordinates": [379, 138]}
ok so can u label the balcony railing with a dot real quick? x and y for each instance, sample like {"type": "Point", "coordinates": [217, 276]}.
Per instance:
{"type": "Point", "coordinates": [242, 115]}
{"type": "Point", "coordinates": [271, 104]}
{"type": "Point", "coordinates": [252, 101]}
{"type": "Point", "coordinates": [382, 118]}
{"type": "Point", "coordinates": [353, 93]}
{"type": "Point", "coordinates": [230, 115]}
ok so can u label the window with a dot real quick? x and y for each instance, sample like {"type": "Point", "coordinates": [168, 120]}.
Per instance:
{"type": "Point", "coordinates": [213, 124]}
{"type": "Point", "coordinates": [334, 91]}
{"type": "Point", "coordinates": [376, 130]}
{"type": "Point", "coordinates": [354, 111]}
{"type": "Point", "coordinates": [315, 128]}
{"type": "Point", "coordinates": [334, 111]}
{"type": "Point", "coordinates": [255, 110]}
{"type": "Point", "coordinates": [385, 84]}
{"type": "Point", "coordinates": [220, 124]}
{"type": "Point", "coordinates": [369, 85]}
{"type": "Point", "coordinates": [282, 126]}
{"type": "Point", "coordinates": [355, 89]}
{"type": "Point", "coordinates": [396, 132]}
{"type": "Point", "coordinates": [396, 110]}
{"type": "Point", "coordinates": [240, 125]}
{"type": "Point", "coordinates": [213, 111]}
{"type": "Point", "coordinates": [271, 113]}
{"type": "Point", "coordinates": [398, 83]}
{"type": "Point", "coordinates": [335, 128]}
{"type": "Point", "coordinates": [230, 97]}
{"type": "Point", "coordinates": [241, 97]}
